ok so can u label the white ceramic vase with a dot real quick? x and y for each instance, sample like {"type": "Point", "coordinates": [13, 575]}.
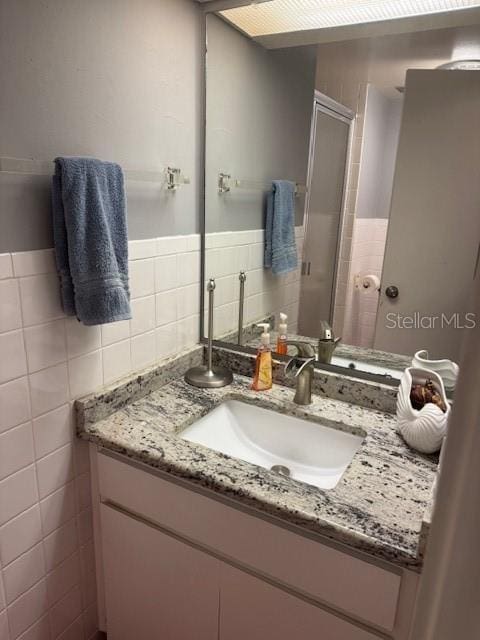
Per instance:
{"type": "Point", "coordinates": [422, 429]}
{"type": "Point", "coordinates": [446, 369]}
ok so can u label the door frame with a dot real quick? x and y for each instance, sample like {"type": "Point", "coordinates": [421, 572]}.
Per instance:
{"type": "Point", "coordinates": [334, 109]}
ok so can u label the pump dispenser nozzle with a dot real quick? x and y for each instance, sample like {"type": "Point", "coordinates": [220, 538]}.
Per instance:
{"type": "Point", "coordinates": [265, 337]}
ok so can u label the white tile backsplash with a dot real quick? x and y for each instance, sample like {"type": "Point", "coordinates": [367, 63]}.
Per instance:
{"type": "Point", "coordinates": [165, 273]}
{"type": "Point", "coordinates": [10, 311]}
{"type": "Point", "coordinates": [40, 299]}
{"type": "Point", "coordinates": [6, 266]}
{"type": "Point", "coordinates": [17, 493]}
{"type": "Point", "coordinates": [63, 578]}
{"type": "Point", "coordinates": [170, 245]}
{"type": "Point", "coordinates": [116, 361]}
{"type": "Point", "coordinates": [76, 632]}
{"type": "Point", "coordinates": [23, 573]}
{"type": "Point", "coordinates": [4, 630]}
{"type": "Point", "coordinates": [227, 254]}
{"type": "Point", "coordinates": [28, 608]}
{"type": "Point", "coordinates": [143, 350]}
{"type": "Point", "coordinates": [14, 403]}
{"type": "Point", "coordinates": [48, 361]}
{"type": "Point", "coordinates": [85, 373]}
{"type": "Point", "coordinates": [143, 315]}
{"type": "Point", "coordinates": [142, 278]}
{"type": "Point", "coordinates": [166, 340]}
{"type": "Point", "coordinates": [30, 263]}
{"type": "Point", "coordinates": [16, 449]}
{"type": "Point", "coordinates": [81, 339]}
{"type": "Point", "coordinates": [13, 363]}
{"type": "Point", "coordinates": [38, 631]}
{"type": "Point", "coordinates": [141, 249]}
{"type": "Point", "coordinates": [65, 611]}
{"type": "Point", "coordinates": [58, 508]}
{"type": "Point", "coordinates": [166, 307]}
{"type": "Point", "coordinates": [20, 534]}
{"type": "Point", "coordinates": [360, 310]}
{"type": "Point", "coordinates": [49, 389]}
{"type": "Point", "coordinates": [188, 300]}
{"type": "Point", "coordinates": [45, 345]}
{"type": "Point", "coordinates": [52, 430]}
{"type": "Point", "coordinates": [55, 470]}
{"type": "Point", "coordinates": [60, 544]}
{"type": "Point", "coordinates": [115, 331]}
{"type": "Point", "coordinates": [187, 331]}
{"type": "Point", "coordinates": [188, 268]}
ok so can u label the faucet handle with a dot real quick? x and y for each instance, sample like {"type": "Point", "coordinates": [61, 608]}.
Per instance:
{"type": "Point", "coordinates": [326, 332]}
{"type": "Point", "coordinates": [305, 349]}
{"type": "Point", "coordinates": [296, 365]}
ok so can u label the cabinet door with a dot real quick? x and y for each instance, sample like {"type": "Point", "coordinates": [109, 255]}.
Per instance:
{"type": "Point", "coordinates": [156, 587]}
{"type": "Point", "coordinates": [255, 610]}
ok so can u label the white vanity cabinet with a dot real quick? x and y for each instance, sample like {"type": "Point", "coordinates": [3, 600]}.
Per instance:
{"type": "Point", "coordinates": [156, 586]}
{"type": "Point", "coordinates": [254, 609]}
{"type": "Point", "coordinates": [178, 563]}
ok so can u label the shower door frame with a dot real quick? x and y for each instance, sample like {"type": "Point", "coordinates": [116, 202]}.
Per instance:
{"type": "Point", "coordinates": [334, 109]}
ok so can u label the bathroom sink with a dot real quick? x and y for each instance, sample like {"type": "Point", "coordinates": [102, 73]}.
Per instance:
{"type": "Point", "coordinates": [367, 367]}
{"type": "Point", "coordinates": [304, 450]}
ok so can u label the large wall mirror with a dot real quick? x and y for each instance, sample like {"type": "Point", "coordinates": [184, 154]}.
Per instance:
{"type": "Point", "coordinates": [379, 146]}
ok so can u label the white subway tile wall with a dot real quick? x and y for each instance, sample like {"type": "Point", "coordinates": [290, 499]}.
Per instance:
{"type": "Point", "coordinates": [368, 248]}
{"type": "Point", "coordinates": [228, 253]}
{"type": "Point", "coordinates": [47, 577]}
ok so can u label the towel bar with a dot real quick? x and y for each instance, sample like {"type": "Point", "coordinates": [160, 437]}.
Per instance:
{"type": "Point", "coordinates": [226, 183]}
{"type": "Point", "coordinates": [173, 177]}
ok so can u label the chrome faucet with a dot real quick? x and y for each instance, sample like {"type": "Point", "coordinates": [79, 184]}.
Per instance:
{"type": "Point", "coordinates": [301, 368]}
{"type": "Point", "coordinates": [326, 343]}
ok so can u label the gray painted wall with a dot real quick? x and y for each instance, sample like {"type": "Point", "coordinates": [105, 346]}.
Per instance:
{"type": "Point", "coordinates": [259, 106]}
{"type": "Point", "coordinates": [380, 141]}
{"type": "Point", "coordinates": [116, 79]}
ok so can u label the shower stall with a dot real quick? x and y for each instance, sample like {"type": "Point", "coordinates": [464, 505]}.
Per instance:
{"type": "Point", "coordinates": [330, 142]}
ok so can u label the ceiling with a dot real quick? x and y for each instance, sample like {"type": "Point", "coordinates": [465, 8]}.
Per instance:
{"type": "Point", "coordinates": [283, 23]}
{"type": "Point", "coordinates": [282, 16]}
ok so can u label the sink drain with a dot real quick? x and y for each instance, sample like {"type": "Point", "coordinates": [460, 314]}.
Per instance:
{"type": "Point", "coordinates": [279, 468]}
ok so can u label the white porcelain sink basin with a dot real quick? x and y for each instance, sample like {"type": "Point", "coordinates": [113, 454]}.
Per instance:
{"type": "Point", "coordinates": [367, 367]}
{"type": "Point", "coordinates": [311, 452]}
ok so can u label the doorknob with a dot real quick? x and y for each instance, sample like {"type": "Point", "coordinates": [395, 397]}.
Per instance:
{"type": "Point", "coordinates": [391, 291]}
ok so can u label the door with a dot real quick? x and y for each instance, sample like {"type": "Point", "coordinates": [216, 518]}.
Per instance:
{"type": "Point", "coordinates": [434, 229]}
{"type": "Point", "coordinates": [326, 181]}
{"type": "Point", "coordinates": [156, 587]}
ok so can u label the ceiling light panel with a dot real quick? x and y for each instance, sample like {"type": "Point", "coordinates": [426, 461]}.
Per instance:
{"type": "Point", "coordinates": [283, 16]}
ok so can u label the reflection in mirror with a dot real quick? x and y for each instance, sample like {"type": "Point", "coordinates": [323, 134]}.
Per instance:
{"type": "Point", "coordinates": [259, 106]}
{"type": "Point", "coordinates": [380, 149]}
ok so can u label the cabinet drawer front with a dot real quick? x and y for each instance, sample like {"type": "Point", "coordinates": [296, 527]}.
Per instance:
{"type": "Point", "coordinates": [358, 588]}
{"type": "Point", "coordinates": [253, 609]}
{"type": "Point", "coordinates": [156, 586]}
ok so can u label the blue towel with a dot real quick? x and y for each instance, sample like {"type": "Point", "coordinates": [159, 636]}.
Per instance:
{"type": "Point", "coordinates": [280, 246]}
{"type": "Point", "coordinates": [90, 235]}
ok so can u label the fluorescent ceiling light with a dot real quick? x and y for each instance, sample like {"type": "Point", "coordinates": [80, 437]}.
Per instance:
{"type": "Point", "coordinates": [283, 16]}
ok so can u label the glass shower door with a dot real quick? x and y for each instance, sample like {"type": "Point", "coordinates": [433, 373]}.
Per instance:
{"type": "Point", "coordinates": [327, 174]}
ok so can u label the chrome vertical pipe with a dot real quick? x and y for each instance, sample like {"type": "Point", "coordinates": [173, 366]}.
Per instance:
{"type": "Point", "coordinates": [242, 277]}
{"type": "Point", "coordinates": [210, 289]}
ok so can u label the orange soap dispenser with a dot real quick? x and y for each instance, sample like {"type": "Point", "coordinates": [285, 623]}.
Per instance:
{"type": "Point", "coordinates": [263, 368]}
{"type": "Point", "coordinates": [282, 347]}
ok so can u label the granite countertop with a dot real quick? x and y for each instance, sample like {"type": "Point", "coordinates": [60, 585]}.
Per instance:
{"type": "Point", "coordinates": [377, 506]}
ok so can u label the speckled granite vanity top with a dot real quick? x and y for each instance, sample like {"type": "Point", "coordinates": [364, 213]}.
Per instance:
{"type": "Point", "coordinates": [377, 506]}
